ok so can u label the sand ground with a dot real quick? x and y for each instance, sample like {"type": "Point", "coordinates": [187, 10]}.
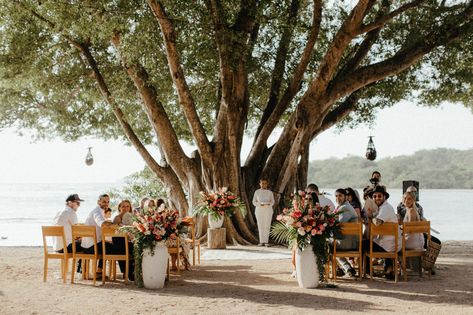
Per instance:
{"type": "Point", "coordinates": [235, 287]}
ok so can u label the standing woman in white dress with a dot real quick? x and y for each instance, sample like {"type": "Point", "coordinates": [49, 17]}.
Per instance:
{"type": "Point", "coordinates": [263, 200]}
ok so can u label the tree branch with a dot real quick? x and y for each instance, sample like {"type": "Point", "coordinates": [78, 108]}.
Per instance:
{"type": "Point", "coordinates": [177, 74]}
{"type": "Point", "coordinates": [158, 117]}
{"type": "Point", "coordinates": [456, 27]}
{"type": "Point", "coordinates": [280, 62]}
{"type": "Point", "coordinates": [165, 174]}
{"type": "Point", "coordinates": [267, 127]}
{"type": "Point", "coordinates": [381, 21]}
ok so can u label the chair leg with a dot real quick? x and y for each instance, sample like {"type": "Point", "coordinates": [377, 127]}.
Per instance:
{"type": "Point", "coordinates": [45, 272]}
{"type": "Point", "coordinates": [94, 270]}
{"type": "Point", "coordinates": [395, 270]}
{"type": "Point", "coordinates": [178, 258]}
{"type": "Point", "coordinates": [104, 270]}
{"type": "Point", "coordinates": [360, 265]}
{"type": "Point", "coordinates": [66, 263]}
{"type": "Point", "coordinates": [334, 268]}
{"type": "Point", "coordinates": [125, 276]}
{"type": "Point", "coordinates": [404, 267]}
{"type": "Point", "coordinates": [110, 269]}
{"type": "Point", "coordinates": [371, 268]}
{"type": "Point", "coordinates": [73, 271]}
{"type": "Point", "coordinates": [193, 254]}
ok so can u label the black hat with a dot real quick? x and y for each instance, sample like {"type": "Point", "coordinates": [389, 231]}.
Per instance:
{"type": "Point", "coordinates": [73, 197]}
{"type": "Point", "coordinates": [379, 189]}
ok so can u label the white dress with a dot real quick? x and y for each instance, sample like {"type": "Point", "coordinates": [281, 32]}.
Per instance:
{"type": "Point", "coordinates": [263, 200]}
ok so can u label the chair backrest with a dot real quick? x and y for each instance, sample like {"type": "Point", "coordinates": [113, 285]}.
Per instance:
{"type": "Point", "coordinates": [387, 228]}
{"type": "Point", "coordinates": [112, 231]}
{"type": "Point", "coordinates": [83, 231]}
{"type": "Point", "coordinates": [416, 227]}
{"type": "Point", "coordinates": [53, 231]}
{"type": "Point", "coordinates": [351, 228]}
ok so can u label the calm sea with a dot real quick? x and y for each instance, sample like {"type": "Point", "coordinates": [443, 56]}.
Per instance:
{"type": "Point", "coordinates": [24, 208]}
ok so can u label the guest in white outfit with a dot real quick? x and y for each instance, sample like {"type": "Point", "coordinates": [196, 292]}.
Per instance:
{"type": "Point", "coordinates": [263, 200]}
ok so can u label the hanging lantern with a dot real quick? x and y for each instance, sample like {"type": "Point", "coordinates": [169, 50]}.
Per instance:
{"type": "Point", "coordinates": [371, 150]}
{"type": "Point", "coordinates": [89, 159]}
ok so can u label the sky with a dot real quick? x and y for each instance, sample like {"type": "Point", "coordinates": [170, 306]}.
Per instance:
{"type": "Point", "coordinates": [400, 130]}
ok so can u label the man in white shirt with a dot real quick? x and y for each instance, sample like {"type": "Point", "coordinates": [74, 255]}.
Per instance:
{"type": "Point", "coordinates": [384, 243]}
{"type": "Point", "coordinates": [67, 218]}
{"type": "Point", "coordinates": [323, 201]}
{"type": "Point", "coordinates": [96, 218]}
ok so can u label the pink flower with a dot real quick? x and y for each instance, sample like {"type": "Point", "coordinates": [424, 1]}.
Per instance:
{"type": "Point", "coordinates": [301, 231]}
{"type": "Point", "coordinates": [297, 214]}
{"type": "Point", "coordinates": [279, 217]}
{"type": "Point", "coordinates": [313, 232]}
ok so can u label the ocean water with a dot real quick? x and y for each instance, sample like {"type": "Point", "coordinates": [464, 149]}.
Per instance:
{"type": "Point", "coordinates": [24, 208]}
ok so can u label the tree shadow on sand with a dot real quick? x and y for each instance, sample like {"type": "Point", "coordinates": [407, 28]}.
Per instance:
{"type": "Point", "coordinates": [450, 285]}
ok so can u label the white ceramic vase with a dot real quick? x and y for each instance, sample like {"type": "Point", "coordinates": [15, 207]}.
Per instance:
{"type": "Point", "coordinates": [306, 268]}
{"type": "Point", "coordinates": [154, 267]}
{"type": "Point", "coordinates": [215, 224]}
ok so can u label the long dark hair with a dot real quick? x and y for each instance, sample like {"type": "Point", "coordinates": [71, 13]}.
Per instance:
{"type": "Point", "coordinates": [355, 201]}
{"type": "Point", "coordinates": [312, 197]}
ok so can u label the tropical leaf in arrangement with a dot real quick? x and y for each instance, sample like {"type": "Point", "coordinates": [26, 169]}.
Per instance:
{"type": "Point", "coordinates": [282, 234]}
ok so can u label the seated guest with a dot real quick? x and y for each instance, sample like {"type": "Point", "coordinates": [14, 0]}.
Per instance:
{"type": "Point", "coordinates": [401, 209]}
{"type": "Point", "coordinates": [67, 218]}
{"type": "Point", "coordinates": [370, 209]}
{"type": "Point", "coordinates": [149, 204]}
{"type": "Point", "coordinates": [322, 200]}
{"type": "Point", "coordinates": [414, 240]}
{"type": "Point", "coordinates": [107, 214]}
{"type": "Point", "coordinates": [160, 205]}
{"type": "Point", "coordinates": [347, 214]}
{"type": "Point", "coordinates": [352, 197]}
{"type": "Point", "coordinates": [383, 243]}
{"type": "Point", "coordinates": [142, 205]}
{"type": "Point", "coordinates": [96, 218]}
{"type": "Point", "coordinates": [124, 216]}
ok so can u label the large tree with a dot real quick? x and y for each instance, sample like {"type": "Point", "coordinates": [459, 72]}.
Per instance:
{"type": "Point", "coordinates": [210, 72]}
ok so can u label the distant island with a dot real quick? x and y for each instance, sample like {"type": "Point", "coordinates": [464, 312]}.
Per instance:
{"type": "Point", "coordinates": [436, 169]}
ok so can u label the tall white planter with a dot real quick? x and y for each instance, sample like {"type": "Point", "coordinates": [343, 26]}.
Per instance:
{"type": "Point", "coordinates": [215, 224]}
{"type": "Point", "coordinates": [154, 267]}
{"type": "Point", "coordinates": [306, 268]}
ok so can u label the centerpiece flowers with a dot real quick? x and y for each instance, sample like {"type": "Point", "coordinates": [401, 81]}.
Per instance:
{"type": "Point", "coordinates": [217, 204]}
{"type": "Point", "coordinates": [306, 225]}
{"type": "Point", "coordinates": [151, 231]}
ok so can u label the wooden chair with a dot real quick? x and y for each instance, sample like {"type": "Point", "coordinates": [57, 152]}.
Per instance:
{"type": "Point", "coordinates": [193, 241]}
{"type": "Point", "coordinates": [355, 228]}
{"type": "Point", "coordinates": [176, 250]}
{"type": "Point", "coordinates": [55, 231]}
{"type": "Point", "coordinates": [387, 228]}
{"type": "Point", "coordinates": [409, 228]}
{"type": "Point", "coordinates": [112, 232]}
{"type": "Point", "coordinates": [82, 231]}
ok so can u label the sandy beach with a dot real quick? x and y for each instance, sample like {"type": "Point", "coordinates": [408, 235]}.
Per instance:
{"type": "Point", "coordinates": [234, 287]}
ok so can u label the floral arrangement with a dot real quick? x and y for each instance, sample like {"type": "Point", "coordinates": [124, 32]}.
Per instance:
{"type": "Point", "coordinates": [150, 228]}
{"type": "Point", "coordinates": [218, 203]}
{"type": "Point", "coordinates": [305, 224]}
